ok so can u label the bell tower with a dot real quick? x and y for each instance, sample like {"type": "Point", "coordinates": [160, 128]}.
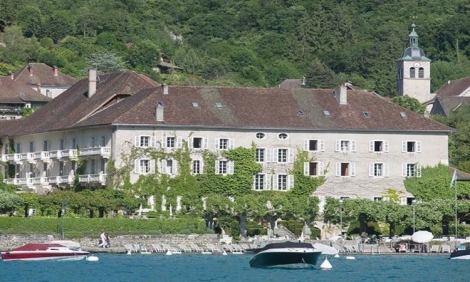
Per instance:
{"type": "Point", "coordinates": [414, 71]}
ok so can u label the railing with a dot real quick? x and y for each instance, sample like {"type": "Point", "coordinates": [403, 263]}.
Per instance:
{"type": "Point", "coordinates": [88, 178]}
{"type": "Point", "coordinates": [68, 179]}
{"type": "Point", "coordinates": [42, 155]}
{"type": "Point", "coordinates": [104, 152]}
{"type": "Point", "coordinates": [39, 181]}
{"type": "Point", "coordinates": [70, 153]}
{"type": "Point", "coordinates": [56, 154]}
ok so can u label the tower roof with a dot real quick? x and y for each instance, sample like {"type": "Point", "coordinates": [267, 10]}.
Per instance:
{"type": "Point", "coordinates": [413, 52]}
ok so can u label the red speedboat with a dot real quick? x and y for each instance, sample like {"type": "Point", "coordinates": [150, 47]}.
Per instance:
{"type": "Point", "coordinates": [44, 251]}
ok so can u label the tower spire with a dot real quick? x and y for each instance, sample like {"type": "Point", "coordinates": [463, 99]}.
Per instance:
{"type": "Point", "coordinates": [413, 37]}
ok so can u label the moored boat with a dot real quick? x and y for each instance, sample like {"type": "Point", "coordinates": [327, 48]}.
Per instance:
{"type": "Point", "coordinates": [44, 251]}
{"type": "Point", "coordinates": [286, 254]}
{"type": "Point", "coordinates": [462, 251]}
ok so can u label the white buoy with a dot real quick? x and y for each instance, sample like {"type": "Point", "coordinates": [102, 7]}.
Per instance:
{"type": "Point", "coordinates": [337, 256]}
{"type": "Point", "coordinates": [326, 264]}
{"type": "Point", "coordinates": [129, 252]}
{"type": "Point", "coordinates": [224, 253]}
{"type": "Point", "coordinates": [350, 257]}
{"type": "Point", "coordinates": [168, 253]}
{"type": "Point", "coordinates": [92, 258]}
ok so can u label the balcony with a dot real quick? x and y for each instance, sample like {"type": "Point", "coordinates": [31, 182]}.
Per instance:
{"type": "Point", "coordinates": [41, 156]}
{"type": "Point", "coordinates": [39, 181]}
{"type": "Point", "coordinates": [89, 178]}
{"type": "Point", "coordinates": [70, 153]}
{"type": "Point", "coordinates": [104, 152]}
{"type": "Point", "coordinates": [56, 154]}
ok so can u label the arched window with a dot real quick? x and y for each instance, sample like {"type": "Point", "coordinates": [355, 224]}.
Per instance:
{"type": "Point", "coordinates": [412, 73]}
{"type": "Point", "coordinates": [421, 73]}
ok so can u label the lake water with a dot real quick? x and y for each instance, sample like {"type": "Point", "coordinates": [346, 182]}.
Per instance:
{"type": "Point", "coordinates": [140, 268]}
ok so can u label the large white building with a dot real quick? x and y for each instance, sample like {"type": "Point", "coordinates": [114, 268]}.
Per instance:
{"type": "Point", "coordinates": [362, 143]}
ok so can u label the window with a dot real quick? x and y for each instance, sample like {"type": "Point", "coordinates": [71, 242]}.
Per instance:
{"type": "Point", "coordinates": [282, 182]}
{"type": "Point", "coordinates": [345, 169]}
{"type": "Point", "coordinates": [74, 165]}
{"type": "Point", "coordinates": [411, 170]}
{"type": "Point", "coordinates": [144, 166]}
{"type": "Point", "coordinates": [345, 145]}
{"type": "Point", "coordinates": [378, 146]}
{"type": "Point", "coordinates": [223, 167]}
{"type": "Point", "coordinates": [103, 141]}
{"type": "Point", "coordinates": [260, 155]}
{"type": "Point", "coordinates": [103, 166]}
{"type": "Point", "coordinates": [61, 144]}
{"type": "Point", "coordinates": [45, 170]}
{"type": "Point", "coordinates": [61, 167]}
{"type": "Point", "coordinates": [377, 199]}
{"type": "Point", "coordinates": [260, 135]}
{"type": "Point", "coordinates": [196, 167]}
{"type": "Point", "coordinates": [31, 171]}
{"type": "Point", "coordinates": [412, 73]}
{"type": "Point", "coordinates": [74, 143]}
{"type": "Point", "coordinates": [378, 169]}
{"type": "Point", "coordinates": [168, 167]}
{"type": "Point", "coordinates": [283, 136]}
{"type": "Point", "coordinates": [260, 181]}
{"type": "Point", "coordinates": [421, 73]}
{"type": "Point", "coordinates": [144, 141]}
{"type": "Point", "coordinates": [411, 146]}
{"type": "Point", "coordinates": [31, 146]}
{"type": "Point", "coordinates": [18, 148]}
{"type": "Point", "coordinates": [223, 143]}
{"type": "Point", "coordinates": [314, 145]}
{"type": "Point", "coordinates": [93, 142]}
{"type": "Point", "coordinates": [282, 155]}
{"type": "Point", "coordinates": [170, 142]}
{"type": "Point", "coordinates": [313, 168]}
{"type": "Point", "coordinates": [197, 143]}
{"type": "Point", "coordinates": [46, 145]}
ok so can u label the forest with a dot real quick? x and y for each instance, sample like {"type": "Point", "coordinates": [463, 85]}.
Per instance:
{"type": "Point", "coordinates": [254, 43]}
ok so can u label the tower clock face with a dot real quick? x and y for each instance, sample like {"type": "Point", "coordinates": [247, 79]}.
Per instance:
{"type": "Point", "coordinates": [416, 65]}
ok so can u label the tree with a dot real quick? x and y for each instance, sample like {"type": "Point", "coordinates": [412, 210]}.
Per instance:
{"type": "Point", "coordinates": [9, 201]}
{"type": "Point", "coordinates": [106, 62]}
{"type": "Point", "coordinates": [409, 103]}
{"type": "Point", "coordinates": [319, 75]}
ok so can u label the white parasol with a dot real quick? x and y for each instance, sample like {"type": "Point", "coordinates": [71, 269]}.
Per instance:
{"type": "Point", "coordinates": [325, 249]}
{"type": "Point", "coordinates": [422, 236]}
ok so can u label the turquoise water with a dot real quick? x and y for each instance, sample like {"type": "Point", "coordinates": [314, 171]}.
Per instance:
{"type": "Point", "coordinates": [137, 268]}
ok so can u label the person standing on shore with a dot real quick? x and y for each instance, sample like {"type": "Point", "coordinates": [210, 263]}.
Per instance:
{"type": "Point", "coordinates": [103, 239]}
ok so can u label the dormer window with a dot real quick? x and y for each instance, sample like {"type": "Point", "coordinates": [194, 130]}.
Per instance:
{"type": "Point", "coordinates": [366, 114]}
{"type": "Point", "coordinates": [326, 113]}
{"type": "Point", "coordinates": [282, 136]}
{"type": "Point", "coordinates": [219, 105]}
{"type": "Point", "coordinates": [195, 105]}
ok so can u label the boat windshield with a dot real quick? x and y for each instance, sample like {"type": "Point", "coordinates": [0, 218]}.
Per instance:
{"type": "Point", "coordinates": [462, 247]}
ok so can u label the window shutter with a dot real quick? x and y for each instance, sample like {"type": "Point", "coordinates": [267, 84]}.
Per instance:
{"type": "Point", "coordinates": [191, 142]}
{"type": "Point", "coordinates": [153, 141]}
{"type": "Point", "coordinates": [136, 166]}
{"type": "Point", "coordinates": [164, 141]}
{"type": "Point", "coordinates": [231, 143]}
{"type": "Point", "coordinates": [403, 146]}
{"type": "Point", "coordinates": [385, 170]}
{"type": "Point", "coordinates": [290, 156]}
{"type": "Point", "coordinates": [403, 169]}
{"type": "Point", "coordinates": [216, 167]}
{"type": "Point", "coordinates": [152, 166]}
{"type": "Point", "coordinates": [217, 143]}
{"type": "Point", "coordinates": [306, 170]}
{"type": "Point", "coordinates": [322, 145]}
{"type": "Point", "coordinates": [136, 141]}
{"type": "Point", "coordinates": [371, 169]}
{"type": "Point", "coordinates": [254, 182]}
{"type": "Point", "coordinates": [179, 142]}
{"type": "Point", "coordinates": [371, 146]}
{"type": "Point", "coordinates": [175, 167]}
{"type": "Point", "coordinates": [338, 169]}
{"type": "Point", "coordinates": [418, 146]}
{"type": "Point", "coordinates": [276, 182]}
{"type": "Point", "coordinates": [275, 155]}
{"type": "Point", "coordinates": [268, 155]}
{"type": "Point", "coordinates": [352, 169]}
{"type": "Point", "coordinates": [267, 184]}
{"type": "Point", "coordinates": [418, 170]}
{"type": "Point", "coordinates": [353, 145]}
{"type": "Point", "coordinates": [321, 168]}
{"type": "Point", "coordinates": [205, 143]}
{"type": "Point", "coordinates": [338, 145]}
{"type": "Point", "coordinates": [290, 182]}
{"type": "Point", "coordinates": [306, 144]}
{"type": "Point", "coordinates": [385, 146]}
{"type": "Point", "coordinates": [231, 167]}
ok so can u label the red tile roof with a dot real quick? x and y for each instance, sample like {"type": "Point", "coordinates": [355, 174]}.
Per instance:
{"type": "Point", "coordinates": [454, 87]}
{"type": "Point", "coordinates": [12, 91]}
{"type": "Point", "coordinates": [44, 75]}
{"type": "Point", "coordinates": [241, 108]}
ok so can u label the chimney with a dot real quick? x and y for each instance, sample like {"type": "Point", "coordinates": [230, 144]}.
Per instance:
{"type": "Point", "coordinates": [341, 94]}
{"type": "Point", "coordinates": [30, 68]}
{"type": "Point", "coordinates": [38, 87]}
{"type": "Point", "coordinates": [159, 111]}
{"type": "Point", "coordinates": [165, 89]}
{"type": "Point", "coordinates": [55, 70]}
{"type": "Point", "coordinates": [91, 82]}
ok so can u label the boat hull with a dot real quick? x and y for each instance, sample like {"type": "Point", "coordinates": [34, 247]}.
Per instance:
{"type": "Point", "coordinates": [465, 254]}
{"type": "Point", "coordinates": [290, 257]}
{"type": "Point", "coordinates": [46, 251]}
